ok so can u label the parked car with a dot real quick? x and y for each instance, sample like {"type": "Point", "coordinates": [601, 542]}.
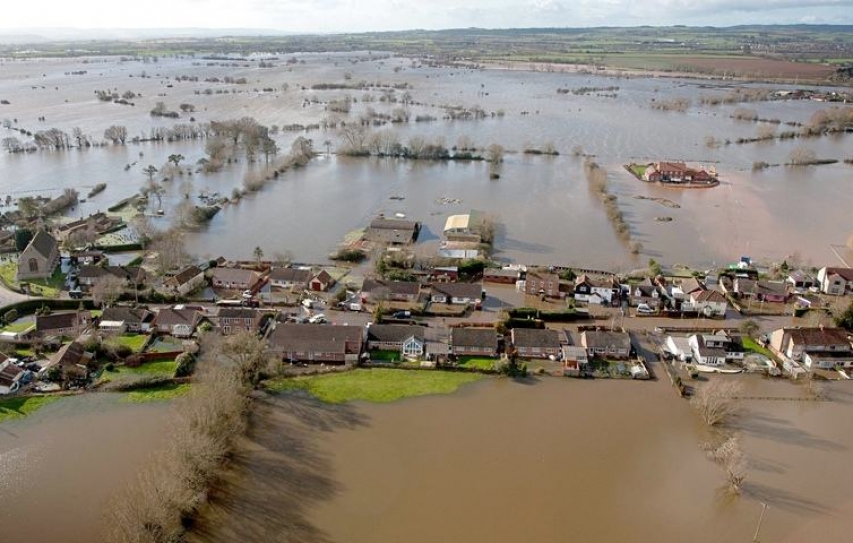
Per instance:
{"type": "Point", "coordinates": [319, 318]}
{"type": "Point", "coordinates": [644, 309]}
{"type": "Point", "coordinates": [401, 315]}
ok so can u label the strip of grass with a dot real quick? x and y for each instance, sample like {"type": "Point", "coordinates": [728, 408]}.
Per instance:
{"type": "Point", "coordinates": [752, 346]}
{"type": "Point", "coordinates": [134, 342]}
{"type": "Point", "coordinates": [386, 356]}
{"type": "Point", "coordinates": [164, 368]}
{"type": "Point", "coordinates": [157, 394]}
{"type": "Point", "coordinates": [18, 327]}
{"type": "Point", "coordinates": [15, 408]}
{"type": "Point", "coordinates": [477, 362]}
{"type": "Point", "coordinates": [375, 385]}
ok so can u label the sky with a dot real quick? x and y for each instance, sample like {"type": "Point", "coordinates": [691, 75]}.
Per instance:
{"type": "Point", "coordinates": [319, 16]}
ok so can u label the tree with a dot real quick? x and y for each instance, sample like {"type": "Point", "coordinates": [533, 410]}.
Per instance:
{"type": "Point", "coordinates": [153, 188]}
{"type": "Point", "coordinates": [328, 144]}
{"type": "Point", "coordinates": [150, 171]}
{"type": "Point", "coordinates": [845, 319]}
{"type": "Point", "coordinates": [22, 238]}
{"type": "Point", "coordinates": [175, 159]}
{"type": "Point", "coordinates": [143, 228]}
{"type": "Point", "coordinates": [28, 206]}
{"type": "Point", "coordinates": [248, 353]}
{"type": "Point", "coordinates": [801, 156]}
{"type": "Point", "coordinates": [116, 134]}
{"type": "Point", "coordinates": [654, 268]}
{"type": "Point", "coordinates": [749, 327]}
{"type": "Point", "coordinates": [730, 456]}
{"type": "Point", "coordinates": [258, 253]}
{"type": "Point", "coordinates": [169, 250]}
{"type": "Point", "coordinates": [716, 401]}
{"type": "Point", "coordinates": [107, 290]}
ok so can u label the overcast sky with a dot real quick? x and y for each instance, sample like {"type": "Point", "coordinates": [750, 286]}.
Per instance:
{"type": "Point", "coordinates": [365, 15]}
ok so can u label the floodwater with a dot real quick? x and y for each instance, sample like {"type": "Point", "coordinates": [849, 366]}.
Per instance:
{"type": "Point", "coordinates": [546, 212]}
{"type": "Point", "coordinates": [60, 466]}
{"type": "Point", "coordinates": [554, 460]}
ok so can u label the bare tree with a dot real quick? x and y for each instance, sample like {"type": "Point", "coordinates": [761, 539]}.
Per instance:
{"type": "Point", "coordinates": [116, 134]}
{"type": "Point", "coordinates": [801, 156]}
{"type": "Point", "coordinates": [729, 455]}
{"type": "Point", "coordinates": [143, 228]}
{"type": "Point", "coordinates": [716, 401]}
{"type": "Point", "coordinates": [170, 251]}
{"type": "Point", "coordinates": [107, 290]}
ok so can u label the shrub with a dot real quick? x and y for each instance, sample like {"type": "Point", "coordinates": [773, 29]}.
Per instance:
{"type": "Point", "coordinates": [185, 365]}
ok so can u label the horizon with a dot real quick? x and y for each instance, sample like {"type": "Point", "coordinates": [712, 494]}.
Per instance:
{"type": "Point", "coordinates": [347, 16]}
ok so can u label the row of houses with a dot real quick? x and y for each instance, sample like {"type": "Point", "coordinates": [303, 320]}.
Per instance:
{"type": "Point", "coordinates": [377, 290]}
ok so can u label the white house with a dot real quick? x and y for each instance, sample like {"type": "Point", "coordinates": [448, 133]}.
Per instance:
{"type": "Point", "coordinates": [707, 302]}
{"type": "Point", "coordinates": [835, 281]}
{"type": "Point", "coordinates": [457, 293]}
{"type": "Point", "coordinates": [714, 350]}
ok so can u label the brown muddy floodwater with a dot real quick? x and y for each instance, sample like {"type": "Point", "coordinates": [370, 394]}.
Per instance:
{"type": "Point", "coordinates": [60, 465]}
{"type": "Point", "coordinates": [555, 460]}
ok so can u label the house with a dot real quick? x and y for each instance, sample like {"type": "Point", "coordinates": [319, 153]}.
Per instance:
{"type": "Point", "coordinates": [814, 347]}
{"type": "Point", "coordinates": [599, 290]}
{"type": "Point", "coordinates": [505, 276]}
{"type": "Point", "coordinates": [290, 278]}
{"type": "Point", "coordinates": [88, 276]}
{"type": "Point", "coordinates": [457, 293]}
{"type": "Point", "coordinates": [317, 343]}
{"type": "Point", "coordinates": [460, 250]}
{"type": "Point", "coordinates": [232, 320]}
{"type": "Point", "coordinates": [98, 223]}
{"type": "Point", "coordinates": [236, 279]}
{"type": "Point", "coordinates": [178, 321]}
{"type": "Point", "coordinates": [392, 231]}
{"type": "Point", "coordinates": [10, 376]}
{"type": "Point", "coordinates": [605, 344]}
{"type": "Point", "coordinates": [714, 349]}
{"type": "Point", "coordinates": [135, 320]}
{"type": "Point", "coordinates": [575, 360]}
{"type": "Point", "coordinates": [686, 288]}
{"type": "Point", "coordinates": [541, 283]}
{"type": "Point", "coordinates": [680, 348]}
{"type": "Point", "coordinates": [835, 281]}
{"type": "Point", "coordinates": [73, 361]}
{"type": "Point", "coordinates": [707, 302]}
{"type": "Point", "coordinates": [69, 324]}
{"type": "Point", "coordinates": [464, 227]}
{"type": "Point", "coordinates": [646, 292]}
{"type": "Point", "coordinates": [409, 340]}
{"type": "Point", "coordinates": [376, 290]}
{"type": "Point", "coordinates": [321, 282]}
{"type": "Point", "coordinates": [474, 341]}
{"type": "Point", "coordinates": [444, 274]}
{"type": "Point", "coordinates": [186, 281]}
{"type": "Point", "coordinates": [535, 343]}
{"type": "Point", "coordinates": [676, 172]}
{"type": "Point", "coordinates": [39, 258]}
{"type": "Point", "coordinates": [800, 280]}
{"type": "Point", "coordinates": [764, 291]}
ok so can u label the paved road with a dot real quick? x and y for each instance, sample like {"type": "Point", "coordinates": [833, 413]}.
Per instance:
{"type": "Point", "coordinates": [8, 297]}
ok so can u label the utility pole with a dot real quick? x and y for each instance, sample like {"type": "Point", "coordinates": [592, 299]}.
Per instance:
{"type": "Point", "coordinates": [760, 520]}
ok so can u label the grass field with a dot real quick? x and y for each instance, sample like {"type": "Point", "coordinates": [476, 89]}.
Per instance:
{"type": "Point", "coordinates": [160, 368]}
{"type": "Point", "coordinates": [752, 346]}
{"type": "Point", "coordinates": [18, 327]}
{"type": "Point", "coordinates": [376, 385]}
{"type": "Point", "coordinates": [15, 408]}
{"type": "Point", "coordinates": [48, 288]}
{"type": "Point", "coordinates": [134, 342]}
{"type": "Point", "coordinates": [157, 394]}
{"type": "Point", "coordinates": [477, 362]}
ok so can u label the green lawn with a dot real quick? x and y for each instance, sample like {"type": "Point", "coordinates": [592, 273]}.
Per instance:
{"type": "Point", "coordinates": [386, 356]}
{"type": "Point", "coordinates": [375, 385]}
{"type": "Point", "coordinates": [14, 408]}
{"type": "Point", "coordinates": [638, 169]}
{"type": "Point", "coordinates": [753, 346]}
{"type": "Point", "coordinates": [134, 342]}
{"type": "Point", "coordinates": [160, 368]}
{"type": "Point", "coordinates": [156, 394]}
{"type": "Point", "coordinates": [18, 327]}
{"type": "Point", "coordinates": [478, 362]}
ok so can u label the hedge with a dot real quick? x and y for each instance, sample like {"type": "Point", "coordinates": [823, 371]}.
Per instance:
{"type": "Point", "coordinates": [27, 307]}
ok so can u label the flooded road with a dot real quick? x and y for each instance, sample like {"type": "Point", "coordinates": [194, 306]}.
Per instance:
{"type": "Point", "coordinates": [558, 460]}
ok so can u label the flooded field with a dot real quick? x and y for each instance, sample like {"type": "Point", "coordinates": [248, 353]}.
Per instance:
{"type": "Point", "coordinates": [552, 461]}
{"type": "Point", "coordinates": [546, 211]}
{"type": "Point", "coordinates": [60, 466]}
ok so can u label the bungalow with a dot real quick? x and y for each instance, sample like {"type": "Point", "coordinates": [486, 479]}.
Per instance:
{"type": "Point", "coordinates": [535, 343]}
{"type": "Point", "coordinates": [575, 360]}
{"type": "Point", "coordinates": [707, 302]}
{"type": "Point", "coordinates": [290, 278]}
{"type": "Point", "coordinates": [474, 341]}
{"type": "Point", "coordinates": [464, 227]}
{"type": "Point", "coordinates": [70, 324]}
{"type": "Point", "coordinates": [680, 348]}
{"type": "Point", "coordinates": [232, 320]}
{"type": "Point", "coordinates": [135, 320]}
{"type": "Point", "coordinates": [506, 276]}
{"type": "Point", "coordinates": [714, 350]}
{"type": "Point", "coordinates": [799, 280]}
{"type": "Point", "coordinates": [764, 291]}
{"type": "Point", "coordinates": [178, 321]}
{"type": "Point", "coordinates": [835, 281]}
{"type": "Point", "coordinates": [236, 278]}
{"type": "Point", "coordinates": [186, 281]}
{"type": "Point", "coordinates": [73, 361]}
{"type": "Point", "coordinates": [687, 287]}
{"type": "Point", "coordinates": [602, 291]}
{"type": "Point", "coordinates": [676, 172]}
{"type": "Point", "coordinates": [457, 293]}
{"type": "Point", "coordinates": [321, 282]}
{"type": "Point", "coordinates": [376, 290]}
{"type": "Point", "coordinates": [39, 258]}
{"type": "Point", "coordinates": [444, 274]}
{"type": "Point", "coordinates": [604, 344]}
{"type": "Point", "coordinates": [317, 343]}
{"type": "Point", "coordinates": [815, 347]}
{"type": "Point", "coordinates": [88, 276]}
{"type": "Point", "coordinates": [10, 376]}
{"type": "Point", "coordinates": [392, 231]}
{"type": "Point", "coordinates": [409, 340]}
{"type": "Point", "coordinates": [540, 283]}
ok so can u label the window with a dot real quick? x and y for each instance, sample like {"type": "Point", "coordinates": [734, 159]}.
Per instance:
{"type": "Point", "coordinates": [33, 265]}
